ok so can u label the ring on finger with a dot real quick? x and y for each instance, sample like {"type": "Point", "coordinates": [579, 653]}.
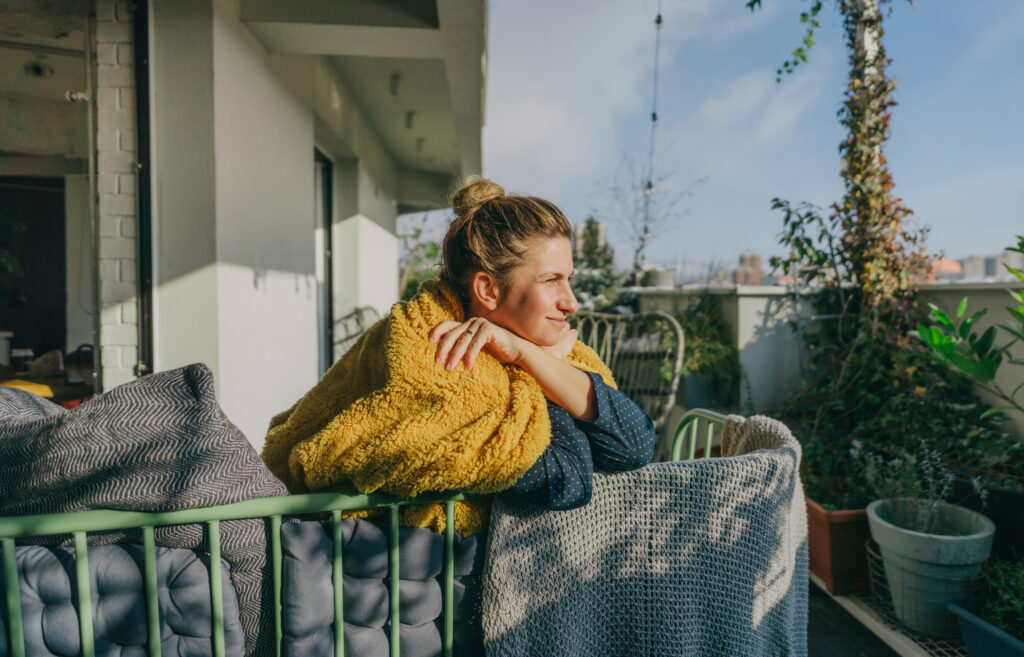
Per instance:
{"type": "Point", "coordinates": [469, 331]}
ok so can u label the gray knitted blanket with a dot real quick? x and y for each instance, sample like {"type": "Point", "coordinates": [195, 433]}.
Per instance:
{"type": "Point", "coordinates": [160, 443]}
{"type": "Point", "coordinates": [704, 557]}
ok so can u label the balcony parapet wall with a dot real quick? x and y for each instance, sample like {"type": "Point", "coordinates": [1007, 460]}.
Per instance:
{"type": "Point", "coordinates": [762, 320]}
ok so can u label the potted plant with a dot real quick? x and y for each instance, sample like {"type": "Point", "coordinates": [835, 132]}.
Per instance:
{"type": "Point", "coordinates": [836, 539]}
{"type": "Point", "coordinates": [995, 627]}
{"type": "Point", "coordinates": [932, 550]}
{"type": "Point", "coordinates": [711, 365]}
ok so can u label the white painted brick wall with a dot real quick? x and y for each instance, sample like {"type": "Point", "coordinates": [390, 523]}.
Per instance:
{"type": "Point", "coordinates": [117, 181]}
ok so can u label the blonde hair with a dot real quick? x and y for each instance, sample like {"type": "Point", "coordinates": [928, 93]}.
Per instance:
{"type": "Point", "coordinates": [491, 233]}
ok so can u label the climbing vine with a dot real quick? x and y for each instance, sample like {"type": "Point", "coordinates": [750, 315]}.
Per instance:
{"type": "Point", "coordinates": [866, 381]}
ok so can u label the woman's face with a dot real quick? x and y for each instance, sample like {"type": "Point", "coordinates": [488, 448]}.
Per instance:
{"type": "Point", "coordinates": [538, 298]}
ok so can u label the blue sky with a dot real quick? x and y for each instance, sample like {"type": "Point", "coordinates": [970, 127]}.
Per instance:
{"type": "Point", "coordinates": [569, 92]}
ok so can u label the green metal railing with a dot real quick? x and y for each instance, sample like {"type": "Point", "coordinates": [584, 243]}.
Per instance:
{"type": "Point", "coordinates": [80, 523]}
{"type": "Point", "coordinates": [688, 433]}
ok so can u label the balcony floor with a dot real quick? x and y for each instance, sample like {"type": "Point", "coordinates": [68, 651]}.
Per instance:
{"type": "Point", "coordinates": [832, 632]}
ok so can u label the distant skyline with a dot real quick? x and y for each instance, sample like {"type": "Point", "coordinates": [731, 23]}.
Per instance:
{"type": "Point", "coordinates": [569, 91]}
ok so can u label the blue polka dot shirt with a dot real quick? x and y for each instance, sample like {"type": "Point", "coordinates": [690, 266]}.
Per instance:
{"type": "Point", "coordinates": [620, 438]}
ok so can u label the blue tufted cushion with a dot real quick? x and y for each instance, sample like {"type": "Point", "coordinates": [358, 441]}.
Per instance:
{"type": "Point", "coordinates": [49, 600]}
{"type": "Point", "coordinates": [308, 599]}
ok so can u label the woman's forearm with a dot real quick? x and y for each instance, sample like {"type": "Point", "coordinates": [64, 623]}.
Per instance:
{"type": "Point", "coordinates": [562, 383]}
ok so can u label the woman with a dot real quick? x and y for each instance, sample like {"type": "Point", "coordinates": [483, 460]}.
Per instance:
{"type": "Point", "coordinates": [477, 384]}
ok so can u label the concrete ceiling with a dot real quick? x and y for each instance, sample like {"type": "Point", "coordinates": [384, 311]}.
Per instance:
{"type": "Point", "coordinates": [42, 59]}
{"type": "Point", "coordinates": [42, 21]}
{"type": "Point", "coordinates": [436, 48]}
{"type": "Point", "coordinates": [42, 45]}
{"type": "Point", "coordinates": [409, 105]}
{"type": "Point", "coordinates": [45, 74]}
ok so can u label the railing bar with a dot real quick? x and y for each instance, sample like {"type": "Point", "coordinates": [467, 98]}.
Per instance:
{"type": "Point", "coordinates": [692, 440]}
{"type": "Point", "coordinates": [97, 520]}
{"type": "Point", "coordinates": [216, 590]}
{"type": "Point", "coordinates": [449, 578]}
{"type": "Point", "coordinates": [152, 592]}
{"type": "Point", "coordinates": [84, 595]}
{"type": "Point", "coordinates": [686, 425]}
{"type": "Point", "coordinates": [277, 566]}
{"type": "Point", "coordinates": [338, 578]}
{"type": "Point", "coordinates": [678, 440]}
{"type": "Point", "coordinates": [710, 439]}
{"type": "Point", "coordinates": [394, 580]}
{"type": "Point", "coordinates": [11, 583]}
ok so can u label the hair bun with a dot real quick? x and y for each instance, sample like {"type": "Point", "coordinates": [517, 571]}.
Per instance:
{"type": "Point", "coordinates": [473, 193]}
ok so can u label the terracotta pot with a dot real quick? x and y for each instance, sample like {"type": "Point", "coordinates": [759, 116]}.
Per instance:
{"type": "Point", "coordinates": [836, 544]}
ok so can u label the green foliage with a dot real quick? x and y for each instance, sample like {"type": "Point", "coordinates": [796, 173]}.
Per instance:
{"type": "Point", "coordinates": [596, 281]}
{"type": "Point", "coordinates": [708, 348]}
{"type": "Point", "coordinates": [889, 396]}
{"type": "Point", "coordinates": [420, 260]}
{"type": "Point", "coordinates": [414, 279]}
{"type": "Point", "coordinates": [921, 478]}
{"type": "Point", "coordinates": [1004, 603]}
{"type": "Point", "coordinates": [955, 343]}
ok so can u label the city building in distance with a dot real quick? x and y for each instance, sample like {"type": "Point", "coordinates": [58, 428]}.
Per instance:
{"type": "Point", "coordinates": [749, 272]}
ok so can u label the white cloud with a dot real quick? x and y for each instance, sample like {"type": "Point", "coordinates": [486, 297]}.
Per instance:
{"type": "Point", "coordinates": [738, 102]}
{"type": "Point", "coordinates": [560, 77]}
{"type": "Point", "coordinates": [783, 111]}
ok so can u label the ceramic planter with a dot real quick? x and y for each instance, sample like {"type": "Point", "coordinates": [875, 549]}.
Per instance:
{"type": "Point", "coordinates": [928, 571]}
{"type": "Point", "coordinates": [983, 639]}
{"type": "Point", "coordinates": [836, 545]}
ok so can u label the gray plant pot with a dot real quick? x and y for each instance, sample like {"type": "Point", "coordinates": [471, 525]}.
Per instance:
{"type": "Point", "coordinates": [928, 570]}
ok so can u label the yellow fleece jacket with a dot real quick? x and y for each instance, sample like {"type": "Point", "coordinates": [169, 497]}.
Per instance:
{"type": "Point", "coordinates": [386, 418]}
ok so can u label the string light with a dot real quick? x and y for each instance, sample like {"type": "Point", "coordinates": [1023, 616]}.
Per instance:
{"type": "Point", "coordinates": [649, 187]}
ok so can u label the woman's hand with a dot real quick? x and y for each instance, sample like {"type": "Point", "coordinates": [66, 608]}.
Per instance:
{"type": "Point", "coordinates": [463, 341]}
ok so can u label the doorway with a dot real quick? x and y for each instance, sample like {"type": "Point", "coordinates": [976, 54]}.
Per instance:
{"type": "Point", "coordinates": [47, 289]}
{"type": "Point", "coordinates": [323, 194]}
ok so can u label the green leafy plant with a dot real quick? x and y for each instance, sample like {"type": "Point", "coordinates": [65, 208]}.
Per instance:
{"type": "Point", "coordinates": [920, 477]}
{"type": "Point", "coordinates": [1004, 602]}
{"type": "Point", "coordinates": [708, 348]}
{"type": "Point", "coordinates": [420, 259]}
{"type": "Point", "coordinates": [954, 341]}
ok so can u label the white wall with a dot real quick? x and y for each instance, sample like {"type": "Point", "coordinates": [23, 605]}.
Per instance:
{"type": "Point", "coordinates": [233, 141]}
{"type": "Point", "coordinates": [768, 345]}
{"type": "Point", "coordinates": [267, 310]}
{"type": "Point", "coordinates": [770, 354]}
{"type": "Point", "coordinates": [366, 260]}
{"type": "Point", "coordinates": [759, 318]}
{"type": "Point", "coordinates": [184, 186]}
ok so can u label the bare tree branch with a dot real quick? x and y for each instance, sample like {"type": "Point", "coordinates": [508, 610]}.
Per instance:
{"type": "Point", "coordinates": [644, 208]}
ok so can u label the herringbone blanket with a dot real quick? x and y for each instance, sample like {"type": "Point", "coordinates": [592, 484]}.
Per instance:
{"type": "Point", "coordinates": [704, 557]}
{"type": "Point", "coordinates": [160, 443]}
